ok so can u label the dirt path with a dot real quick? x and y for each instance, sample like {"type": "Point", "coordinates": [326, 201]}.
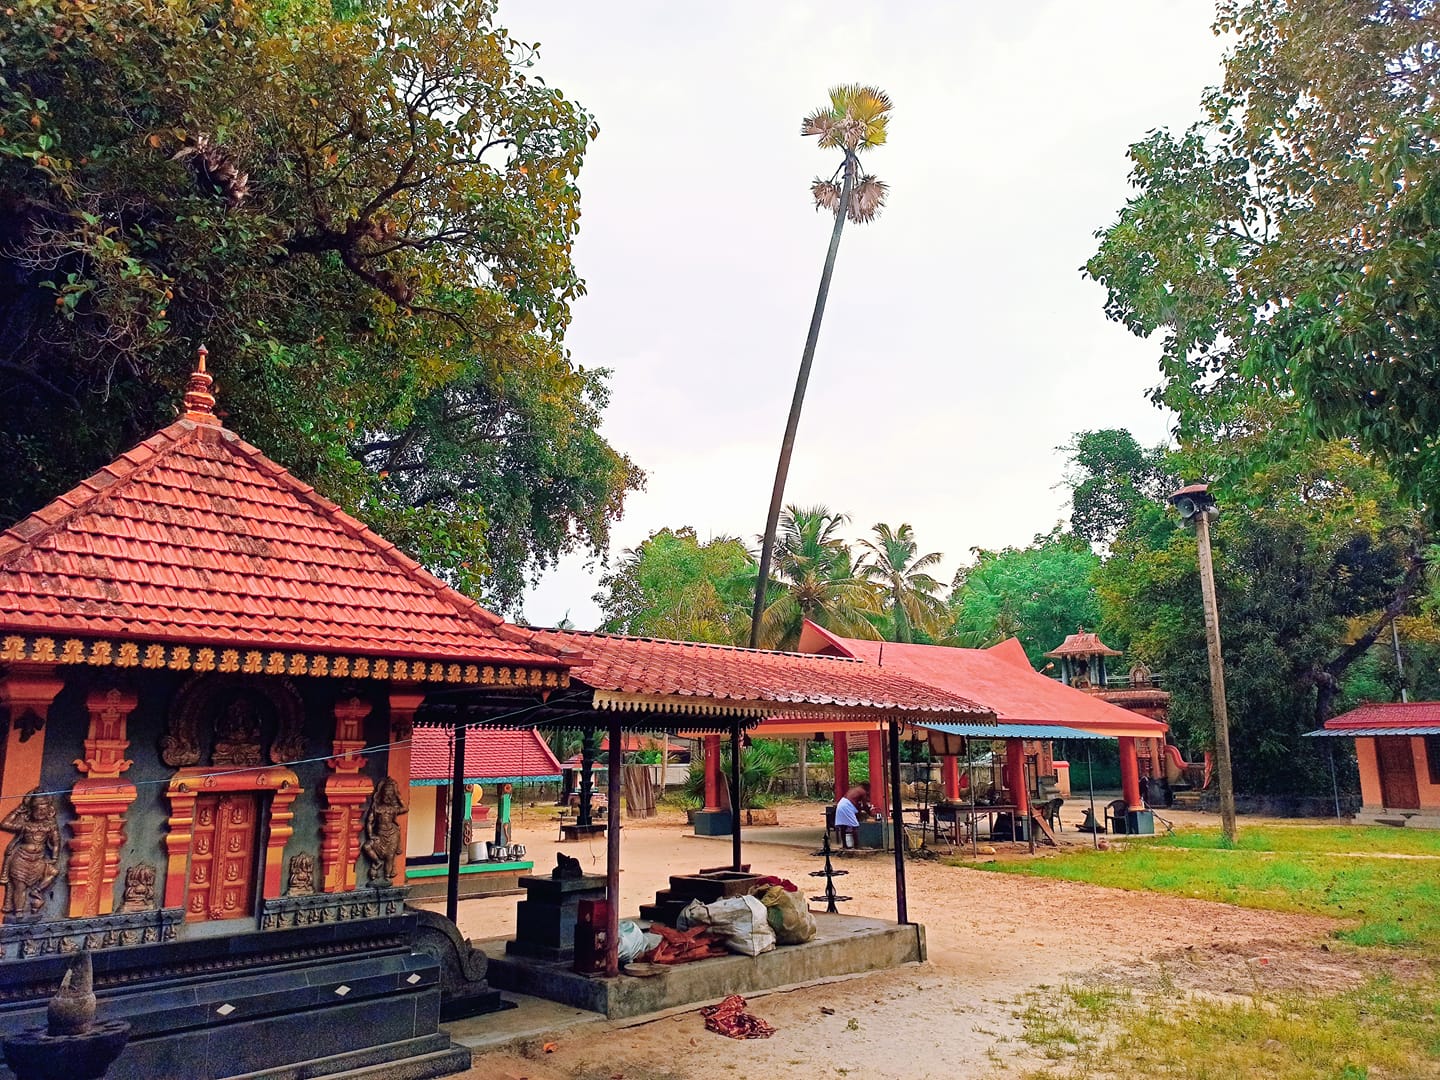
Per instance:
{"type": "Point", "coordinates": [992, 938]}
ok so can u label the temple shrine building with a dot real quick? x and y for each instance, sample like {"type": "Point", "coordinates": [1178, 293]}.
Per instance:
{"type": "Point", "coordinates": [209, 679]}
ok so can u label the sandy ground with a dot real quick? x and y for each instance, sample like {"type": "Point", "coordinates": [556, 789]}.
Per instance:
{"type": "Point", "coordinates": [992, 939]}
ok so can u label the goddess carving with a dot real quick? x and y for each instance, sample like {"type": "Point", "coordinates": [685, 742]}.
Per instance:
{"type": "Point", "coordinates": [382, 829]}
{"type": "Point", "coordinates": [32, 858]}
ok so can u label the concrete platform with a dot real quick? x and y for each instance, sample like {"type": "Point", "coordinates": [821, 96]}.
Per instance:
{"type": "Point", "coordinates": [845, 945]}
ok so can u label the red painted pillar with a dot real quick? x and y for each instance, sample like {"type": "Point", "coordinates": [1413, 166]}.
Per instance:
{"type": "Point", "coordinates": [1130, 774]}
{"type": "Point", "coordinates": [950, 774]}
{"type": "Point", "coordinates": [877, 771]}
{"type": "Point", "coordinates": [712, 772]}
{"type": "Point", "coordinates": [1015, 776]}
{"type": "Point", "coordinates": [842, 763]}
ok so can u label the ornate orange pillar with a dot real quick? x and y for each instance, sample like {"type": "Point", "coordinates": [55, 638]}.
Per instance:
{"type": "Point", "coordinates": [344, 792]}
{"type": "Point", "coordinates": [712, 774]}
{"type": "Point", "coordinates": [402, 723]}
{"type": "Point", "coordinates": [100, 799]}
{"type": "Point", "coordinates": [876, 756]}
{"type": "Point", "coordinates": [28, 694]}
{"type": "Point", "coordinates": [1015, 777]}
{"type": "Point", "coordinates": [950, 774]}
{"type": "Point", "coordinates": [1130, 774]}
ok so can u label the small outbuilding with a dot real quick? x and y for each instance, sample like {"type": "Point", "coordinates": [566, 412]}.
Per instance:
{"type": "Point", "coordinates": [1397, 746]}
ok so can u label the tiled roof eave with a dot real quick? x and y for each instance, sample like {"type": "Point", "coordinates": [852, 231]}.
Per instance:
{"type": "Point", "coordinates": [689, 704]}
{"type": "Point", "coordinates": [520, 673]}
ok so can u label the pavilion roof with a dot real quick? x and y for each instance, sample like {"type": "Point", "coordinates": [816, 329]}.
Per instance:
{"type": "Point", "coordinates": [1083, 644]}
{"type": "Point", "coordinates": [194, 551]}
{"type": "Point", "coordinates": [1000, 677]}
{"type": "Point", "coordinates": [634, 673]}
{"type": "Point", "coordinates": [499, 755]}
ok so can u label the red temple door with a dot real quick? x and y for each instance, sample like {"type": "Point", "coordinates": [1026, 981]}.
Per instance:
{"type": "Point", "coordinates": [1398, 787]}
{"type": "Point", "coordinates": [222, 857]}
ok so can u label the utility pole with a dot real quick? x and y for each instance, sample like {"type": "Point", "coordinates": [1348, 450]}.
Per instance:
{"type": "Point", "coordinates": [1399, 661]}
{"type": "Point", "coordinates": [1197, 507]}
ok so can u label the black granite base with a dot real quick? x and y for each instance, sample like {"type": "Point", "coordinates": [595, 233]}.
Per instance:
{"type": "Point", "coordinates": [545, 920]}
{"type": "Point", "coordinates": [287, 1003]}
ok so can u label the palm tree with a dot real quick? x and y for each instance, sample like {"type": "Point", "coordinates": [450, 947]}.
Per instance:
{"type": "Point", "coordinates": [855, 120]}
{"type": "Point", "coordinates": [814, 579]}
{"type": "Point", "coordinates": [893, 563]}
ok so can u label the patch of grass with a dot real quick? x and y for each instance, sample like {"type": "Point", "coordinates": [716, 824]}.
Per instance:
{"type": "Point", "coordinates": [1380, 1029]}
{"type": "Point", "coordinates": [1312, 839]}
{"type": "Point", "coordinates": [1393, 902]}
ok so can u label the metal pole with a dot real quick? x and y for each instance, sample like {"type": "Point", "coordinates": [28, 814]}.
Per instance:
{"type": "Point", "coordinates": [1090, 776]}
{"type": "Point", "coordinates": [612, 850]}
{"type": "Point", "coordinates": [1334, 780]}
{"type": "Point", "coordinates": [664, 759]}
{"type": "Point", "coordinates": [1399, 669]}
{"type": "Point", "coordinates": [457, 819]}
{"type": "Point", "coordinates": [897, 803]}
{"type": "Point", "coordinates": [970, 779]}
{"type": "Point", "coordinates": [587, 778]}
{"type": "Point", "coordinates": [735, 755]}
{"type": "Point", "coordinates": [1217, 677]}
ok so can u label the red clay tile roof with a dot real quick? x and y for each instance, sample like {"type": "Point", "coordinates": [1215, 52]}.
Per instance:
{"type": "Point", "coordinates": [1381, 716]}
{"type": "Point", "coordinates": [195, 537]}
{"type": "Point", "coordinates": [651, 666]}
{"type": "Point", "coordinates": [499, 754]}
{"type": "Point", "coordinates": [1083, 644]}
{"type": "Point", "coordinates": [1000, 677]}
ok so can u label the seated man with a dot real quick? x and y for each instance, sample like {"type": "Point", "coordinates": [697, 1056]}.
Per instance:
{"type": "Point", "coordinates": [847, 816]}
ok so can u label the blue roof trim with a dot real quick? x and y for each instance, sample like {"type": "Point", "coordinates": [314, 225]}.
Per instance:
{"type": "Point", "coordinates": [1014, 731]}
{"type": "Point", "coordinates": [548, 778]}
{"type": "Point", "coordinates": [1369, 733]}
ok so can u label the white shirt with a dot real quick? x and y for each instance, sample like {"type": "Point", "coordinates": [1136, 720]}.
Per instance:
{"type": "Point", "coordinates": [845, 814]}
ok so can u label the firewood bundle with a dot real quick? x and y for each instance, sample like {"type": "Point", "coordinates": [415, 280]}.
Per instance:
{"type": "Point", "coordinates": [683, 946]}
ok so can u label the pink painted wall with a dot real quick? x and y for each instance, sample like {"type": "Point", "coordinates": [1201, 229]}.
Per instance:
{"type": "Point", "coordinates": [1429, 793]}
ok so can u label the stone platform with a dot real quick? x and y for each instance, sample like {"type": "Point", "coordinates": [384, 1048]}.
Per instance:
{"type": "Point", "coordinates": [845, 945]}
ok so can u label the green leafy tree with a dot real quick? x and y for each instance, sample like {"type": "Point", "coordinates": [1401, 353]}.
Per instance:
{"type": "Point", "coordinates": [1283, 248]}
{"type": "Point", "coordinates": [815, 579]}
{"type": "Point", "coordinates": [673, 586]}
{"type": "Point", "coordinates": [365, 211]}
{"type": "Point", "coordinates": [1038, 594]}
{"type": "Point", "coordinates": [893, 564]}
{"type": "Point", "coordinates": [1110, 477]}
{"type": "Point", "coordinates": [856, 119]}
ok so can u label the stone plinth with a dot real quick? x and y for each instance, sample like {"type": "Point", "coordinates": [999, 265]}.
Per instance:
{"type": "Point", "coordinates": [713, 823]}
{"type": "Point", "coordinates": [545, 919]}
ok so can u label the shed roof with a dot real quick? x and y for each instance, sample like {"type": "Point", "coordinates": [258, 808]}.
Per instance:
{"type": "Point", "coordinates": [646, 673]}
{"type": "Point", "coordinates": [503, 755]}
{"type": "Point", "coordinates": [1386, 718]}
{"type": "Point", "coordinates": [1000, 678]}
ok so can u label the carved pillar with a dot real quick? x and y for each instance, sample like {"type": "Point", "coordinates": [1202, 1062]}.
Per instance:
{"type": "Point", "coordinates": [100, 799]}
{"type": "Point", "coordinates": [1130, 774]}
{"type": "Point", "coordinates": [28, 694]}
{"type": "Point", "coordinates": [842, 764]}
{"type": "Point", "coordinates": [878, 796]}
{"type": "Point", "coordinates": [712, 773]}
{"type": "Point", "coordinates": [402, 723]}
{"type": "Point", "coordinates": [345, 792]}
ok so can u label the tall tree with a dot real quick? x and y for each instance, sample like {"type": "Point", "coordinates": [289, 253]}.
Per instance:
{"type": "Point", "coordinates": [674, 586]}
{"type": "Point", "coordinates": [1110, 476]}
{"type": "Point", "coordinates": [855, 120]}
{"type": "Point", "coordinates": [893, 563]}
{"type": "Point", "coordinates": [1283, 247]}
{"type": "Point", "coordinates": [365, 210]}
{"type": "Point", "coordinates": [1038, 594]}
{"type": "Point", "coordinates": [815, 579]}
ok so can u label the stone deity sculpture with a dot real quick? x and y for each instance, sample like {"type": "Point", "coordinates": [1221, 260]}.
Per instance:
{"type": "Point", "coordinates": [32, 858]}
{"type": "Point", "coordinates": [382, 829]}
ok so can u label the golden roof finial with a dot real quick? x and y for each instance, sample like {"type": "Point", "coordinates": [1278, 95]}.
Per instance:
{"type": "Point", "coordinates": [199, 401]}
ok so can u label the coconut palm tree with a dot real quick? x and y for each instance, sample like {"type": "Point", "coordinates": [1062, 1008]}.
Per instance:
{"type": "Point", "coordinates": [892, 562]}
{"type": "Point", "coordinates": [855, 120]}
{"type": "Point", "coordinates": [814, 579]}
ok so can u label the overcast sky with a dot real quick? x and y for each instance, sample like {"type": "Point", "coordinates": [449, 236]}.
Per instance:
{"type": "Point", "coordinates": [961, 346]}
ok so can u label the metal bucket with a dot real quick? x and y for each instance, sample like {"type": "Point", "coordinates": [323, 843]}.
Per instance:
{"type": "Point", "coordinates": [479, 851]}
